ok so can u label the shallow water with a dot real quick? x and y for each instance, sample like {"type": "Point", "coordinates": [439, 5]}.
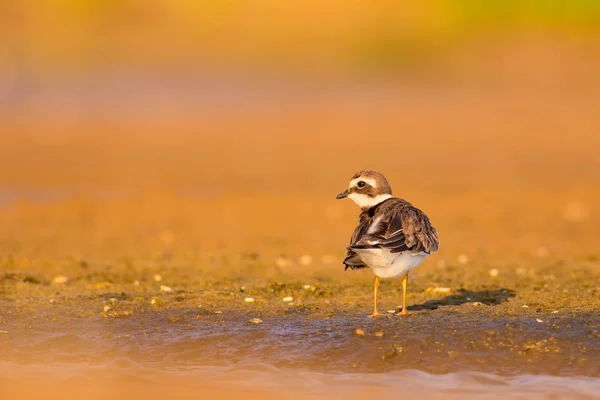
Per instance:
{"type": "Point", "coordinates": [121, 377]}
{"type": "Point", "coordinates": [318, 353]}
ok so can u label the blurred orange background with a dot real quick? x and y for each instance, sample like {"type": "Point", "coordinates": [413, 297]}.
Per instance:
{"type": "Point", "coordinates": [261, 96]}
{"type": "Point", "coordinates": [156, 134]}
{"type": "Point", "coordinates": [261, 105]}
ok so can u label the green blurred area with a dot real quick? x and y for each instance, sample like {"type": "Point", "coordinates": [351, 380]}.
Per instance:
{"type": "Point", "coordinates": [309, 34]}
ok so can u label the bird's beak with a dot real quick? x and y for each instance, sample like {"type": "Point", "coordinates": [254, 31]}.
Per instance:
{"type": "Point", "coordinates": [342, 195]}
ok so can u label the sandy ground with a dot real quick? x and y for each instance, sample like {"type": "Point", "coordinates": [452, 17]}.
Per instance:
{"type": "Point", "coordinates": [140, 239]}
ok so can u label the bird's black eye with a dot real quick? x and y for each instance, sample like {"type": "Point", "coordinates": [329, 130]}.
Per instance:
{"type": "Point", "coordinates": [361, 184]}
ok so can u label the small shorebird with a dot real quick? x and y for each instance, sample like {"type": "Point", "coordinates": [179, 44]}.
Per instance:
{"type": "Point", "coordinates": [392, 237]}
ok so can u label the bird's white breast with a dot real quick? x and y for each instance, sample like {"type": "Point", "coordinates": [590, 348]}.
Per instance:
{"type": "Point", "coordinates": [386, 264]}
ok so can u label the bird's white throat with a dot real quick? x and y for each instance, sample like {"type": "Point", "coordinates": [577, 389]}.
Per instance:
{"type": "Point", "coordinates": [364, 201]}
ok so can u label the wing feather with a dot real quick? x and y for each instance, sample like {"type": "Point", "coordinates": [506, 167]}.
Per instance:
{"type": "Point", "coordinates": [397, 226]}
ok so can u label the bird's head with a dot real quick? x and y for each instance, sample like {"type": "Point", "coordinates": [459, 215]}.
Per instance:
{"type": "Point", "coordinates": [367, 189]}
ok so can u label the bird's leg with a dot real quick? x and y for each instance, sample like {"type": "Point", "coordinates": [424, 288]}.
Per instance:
{"type": "Point", "coordinates": [375, 287]}
{"type": "Point", "coordinates": [404, 280]}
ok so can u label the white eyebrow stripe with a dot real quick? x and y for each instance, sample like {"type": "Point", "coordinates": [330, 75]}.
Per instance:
{"type": "Point", "coordinates": [369, 181]}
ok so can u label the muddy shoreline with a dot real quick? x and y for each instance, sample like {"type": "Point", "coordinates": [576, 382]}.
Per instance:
{"type": "Point", "coordinates": [321, 325]}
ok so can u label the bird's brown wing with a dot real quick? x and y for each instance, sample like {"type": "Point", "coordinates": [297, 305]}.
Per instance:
{"type": "Point", "coordinates": [353, 260]}
{"type": "Point", "coordinates": [398, 226]}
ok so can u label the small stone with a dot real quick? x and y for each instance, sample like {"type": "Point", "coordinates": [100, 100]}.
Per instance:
{"type": "Point", "coordinates": [379, 334]}
{"type": "Point", "coordinates": [136, 283]}
{"type": "Point", "coordinates": [555, 312]}
{"type": "Point", "coordinates": [218, 312]}
{"type": "Point", "coordinates": [157, 278]}
{"type": "Point", "coordinates": [493, 272]}
{"type": "Point", "coordinates": [112, 300]}
{"type": "Point", "coordinates": [462, 259]}
{"type": "Point", "coordinates": [282, 262]}
{"type": "Point", "coordinates": [391, 311]}
{"type": "Point", "coordinates": [525, 306]}
{"type": "Point", "coordinates": [360, 332]}
{"type": "Point", "coordinates": [256, 320]}
{"type": "Point", "coordinates": [106, 308]}
{"type": "Point", "coordinates": [288, 299]}
{"type": "Point", "coordinates": [60, 279]}
{"type": "Point", "coordinates": [249, 300]}
{"type": "Point", "coordinates": [153, 301]}
{"type": "Point", "coordinates": [305, 259]}
{"type": "Point", "coordinates": [308, 287]}
{"type": "Point", "coordinates": [477, 304]}
{"type": "Point", "coordinates": [539, 320]}
{"type": "Point", "coordinates": [541, 252]}
{"type": "Point", "coordinates": [52, 301]}
{"type": "Point", "coordinates": [164, 288]}
{"type": "Point", "coordinates": [443, 290]}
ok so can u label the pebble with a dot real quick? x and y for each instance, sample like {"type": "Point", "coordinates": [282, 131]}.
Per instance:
{"type": "Point", "coordinates": [249, 299]}
{"type": "Point", "coordinates": [541, 252]}
{"type": "Point", "coordinates": [555, 312]}
{"type": "Point", "coordinates": [305, 259]}
{"type": "Point", "coordinates": [282, 262]}
{"type": "Point", "coordinates": [462, 259]}
{"type": "Point", "coordinates": [106, 308]}
{"type": "Point", "coordinates": [52, 301]}
{"type": "Point", "coordinates": [218, 312]}
{"type": "Point", "coordinates": [288, 299]}
{"type": "Point", "coordinates": [164, 288]}
{"type": "Point", "coordinates": [60, 279]}
{"type": "Point", "coordinates": [136, 283]}
{"type": "Point", "coordinates": [391, 311]}
{"type": "Point", "coordinates": [539, 320]}
{"type": "Point", "coordinates": [525, 306]}
{"type": "Point", "coordinates": [494, 272]}
{"type": "Point", "coordinates": [477, 304]}
{"type": "Point", "coordinates": [444, 290]}
{"type": "Point", "coordinates": [379, 334]}
{"type": "Point", "coordinates": [308, 287]}
{"type": "Point", "coordinates": [256, 320]}
{"type": "Point", "coordinates": [360, 332]}
{"type": "Point", "coordinates": [157, 278]}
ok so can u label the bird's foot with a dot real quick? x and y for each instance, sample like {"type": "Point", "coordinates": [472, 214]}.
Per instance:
{"type": "Point", "coordinates": [403, 312]}
{"type": "Point", "coordinates": [375, 314]}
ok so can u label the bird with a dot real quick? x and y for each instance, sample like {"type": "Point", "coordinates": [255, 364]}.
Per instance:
{"type": "Point", "coordinates": [392, 237]}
